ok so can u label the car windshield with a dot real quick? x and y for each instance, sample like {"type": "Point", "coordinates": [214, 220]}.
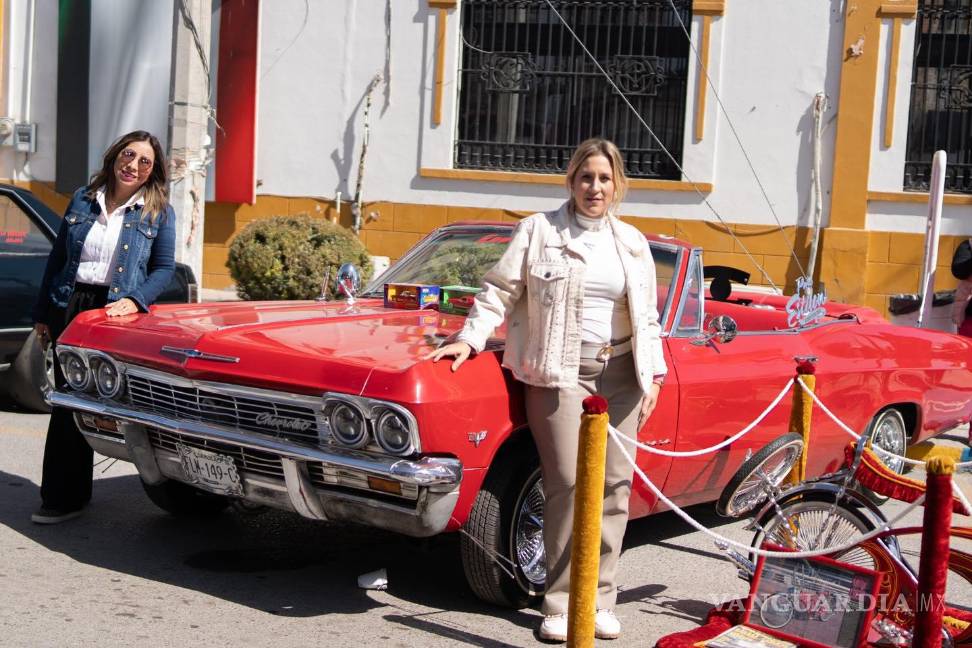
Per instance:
{"type": "Point", "coordinates": [461, 257]}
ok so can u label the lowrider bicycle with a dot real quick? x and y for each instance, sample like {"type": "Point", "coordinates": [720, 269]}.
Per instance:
{"type": "Point", "coordinates": [328, 410]}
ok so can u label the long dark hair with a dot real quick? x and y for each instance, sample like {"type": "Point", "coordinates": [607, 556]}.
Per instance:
{"type": "Point", "coordinates": [156, 188]}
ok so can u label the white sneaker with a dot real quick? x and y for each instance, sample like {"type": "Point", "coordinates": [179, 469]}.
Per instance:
{"type": "Point", "coordinates": [554, 627]}
{"type": "Point", "coordinates": [606, 625]}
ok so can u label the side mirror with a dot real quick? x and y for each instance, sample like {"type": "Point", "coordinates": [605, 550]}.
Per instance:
{"type": "Point", "coordinates": [348, 282]}
{"type": "Point", "coordinates": [721, 328]}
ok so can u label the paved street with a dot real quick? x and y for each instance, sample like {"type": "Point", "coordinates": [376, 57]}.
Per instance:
{"type": "Point", "coordinates": [127, 574]}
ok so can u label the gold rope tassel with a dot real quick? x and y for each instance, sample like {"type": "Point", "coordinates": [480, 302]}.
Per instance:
{"type": "Point", "coordinates": [588, 506]}
{"type": "Point", "coordinates": [800, 418]}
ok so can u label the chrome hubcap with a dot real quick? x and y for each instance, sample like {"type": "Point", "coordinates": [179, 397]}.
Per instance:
{"type": "Point", "coordinates": [528, 535]}
{"type": "Point", "coordinates": [889, 435]}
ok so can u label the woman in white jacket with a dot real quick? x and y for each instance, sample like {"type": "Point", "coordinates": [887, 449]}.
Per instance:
{"type": "Point", "coordinates": [572, 282]}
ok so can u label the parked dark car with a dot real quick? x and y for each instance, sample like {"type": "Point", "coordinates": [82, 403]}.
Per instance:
{"type": "Point", "coordinates": [27, 231]}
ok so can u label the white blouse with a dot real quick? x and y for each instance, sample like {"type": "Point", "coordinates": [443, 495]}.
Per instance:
{"type": "Point", "coordinates": [605, 317]}
{"type": "Point", "coordinates": [101, 245]}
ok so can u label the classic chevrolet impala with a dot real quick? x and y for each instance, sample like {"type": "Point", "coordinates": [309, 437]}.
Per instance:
{"type": "Point", "coordinates": [328, 410]}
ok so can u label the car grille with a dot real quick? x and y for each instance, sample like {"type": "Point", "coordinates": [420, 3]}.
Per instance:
{"type": "Point", "coordinates": [284, 419]}
{"type": "Point", "coordinates": [246, 459]}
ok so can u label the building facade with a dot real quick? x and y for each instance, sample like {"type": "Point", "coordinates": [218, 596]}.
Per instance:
{"type": "Point", "coordinates": [742, 121]}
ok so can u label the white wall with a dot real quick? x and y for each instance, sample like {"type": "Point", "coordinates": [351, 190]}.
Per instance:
{"type": "Point", "coordinates": [40, 75]}
{"type": "Point", "coordinates": [131, 62]}
{"type": "Point", "coordinates": [314, 78]}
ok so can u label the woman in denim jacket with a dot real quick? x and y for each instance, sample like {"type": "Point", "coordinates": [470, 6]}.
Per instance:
{"type": "Point", "coordinates": [115, 250]}
{"type": "Point", "coordinates": [570, 283]}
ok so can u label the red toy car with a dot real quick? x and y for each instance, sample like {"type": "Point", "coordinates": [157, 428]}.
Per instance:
{"type": "Point", "coordinates": [330, 411]}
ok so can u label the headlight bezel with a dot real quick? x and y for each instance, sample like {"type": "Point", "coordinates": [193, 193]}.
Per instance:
{"type": "Point", "coordinates": [64, 355]}
{"type": "Point", "coordinates": [372, 411]}
{"type": "Point", "coordinates": [384, 414]}
{"type": "Point", "coordinates": [362, 437]}
{"type": "Point", "coordinates": [98, 359]}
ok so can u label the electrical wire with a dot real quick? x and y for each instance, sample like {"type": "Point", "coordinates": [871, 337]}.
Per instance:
{"type": "Point", "coordinates": [735, 134]}
{"type": "Point", "coordinates": [661, 145]}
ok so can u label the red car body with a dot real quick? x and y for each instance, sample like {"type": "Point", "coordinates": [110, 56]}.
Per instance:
{"type": "Point", "coordinates": [474, 417]}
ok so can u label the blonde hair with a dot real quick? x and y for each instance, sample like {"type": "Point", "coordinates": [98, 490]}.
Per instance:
{"type": "Point", "coordinates": [155, 190]}
{"type": "Point", "coordinates": [607, 148]}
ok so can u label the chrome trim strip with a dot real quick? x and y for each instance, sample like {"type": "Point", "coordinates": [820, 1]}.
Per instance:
{"type": "Point", "coordinates": [300, 490]}
{"type": "Point", "coordinates": [196, 354]}
{"type": "Point", "coordinates": [696, 256]}
{"type": "Point", "coordinates": [17, 329]}
{"type": "Point", "coordinates": [424, 471]}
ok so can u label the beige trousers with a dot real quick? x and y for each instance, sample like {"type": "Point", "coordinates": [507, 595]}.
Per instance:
{"type": "Point", "coordinates": [554, 417]}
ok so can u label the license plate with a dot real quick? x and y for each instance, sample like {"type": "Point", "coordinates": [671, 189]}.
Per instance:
{"type": "Point", "coordinates": [211, 471]}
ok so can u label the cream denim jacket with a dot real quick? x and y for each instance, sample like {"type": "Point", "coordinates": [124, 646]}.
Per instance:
{"type": "Point", "coordinates": [538, 286]}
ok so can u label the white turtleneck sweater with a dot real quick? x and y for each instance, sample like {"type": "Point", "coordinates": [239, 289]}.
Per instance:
{"type": "Point", "coordinates": [605, 317]}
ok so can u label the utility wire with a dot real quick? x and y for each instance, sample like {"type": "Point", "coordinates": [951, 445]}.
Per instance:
{"type": "Point", "coordinates": [661, 145]}
{"type": "Point", "coordinates": [735, 134]}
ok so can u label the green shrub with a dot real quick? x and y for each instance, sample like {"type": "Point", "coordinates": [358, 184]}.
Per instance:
{"type": "Point", "coordinates": [286, 257]}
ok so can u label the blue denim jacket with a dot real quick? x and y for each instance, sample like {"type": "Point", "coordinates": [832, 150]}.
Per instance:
{"type": "Point", "coordinates": [144, 265]}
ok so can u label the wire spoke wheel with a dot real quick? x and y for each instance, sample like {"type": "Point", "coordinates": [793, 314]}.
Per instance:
{"type": "Point", "coordinates": [761, 473]}
{"type": "Point", "coordinates": [528, 535]}
{"type": "Point", "coordinates": [888, 433]}
{"type": "Point", "coordinates": [811, 525]}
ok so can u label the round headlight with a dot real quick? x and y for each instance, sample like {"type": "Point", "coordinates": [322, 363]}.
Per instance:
{"type": "Point", "coordinates": [106, 377]}
{"type": "Point", "coordinates": [75, 371]}
{"type": "Point", "coordinates": [393, 433]}
{"type": "Point", "coordinates": [348, 425]}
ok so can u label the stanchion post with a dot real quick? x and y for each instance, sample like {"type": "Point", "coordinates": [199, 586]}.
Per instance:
{"type": "Point", "coordinates": [800, 415]}
{"type": "Point", "coordinates": [588, 505]}
{"type": "Point", "coordinates": [933, 563]}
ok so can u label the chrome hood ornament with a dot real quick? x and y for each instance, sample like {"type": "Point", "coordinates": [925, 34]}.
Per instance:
{"type": "Point", "coordinates": [348, 282]}
{"type": "Point", "coordinates": [186, 354]}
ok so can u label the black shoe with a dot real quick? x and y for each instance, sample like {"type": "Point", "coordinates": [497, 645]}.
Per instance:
{"type": "Point", "coordinates": [45, 515]}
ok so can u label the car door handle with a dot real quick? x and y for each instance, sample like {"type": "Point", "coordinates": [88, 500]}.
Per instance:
{"type": "Point", "coordinates": [658, 442]}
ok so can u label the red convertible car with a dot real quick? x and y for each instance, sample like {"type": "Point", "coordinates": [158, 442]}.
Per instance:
{"type": "Point", "coordinates": [328, 410]}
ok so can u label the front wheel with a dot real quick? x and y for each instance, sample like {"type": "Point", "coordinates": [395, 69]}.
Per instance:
{"type": "Point", "coordinates": [888, 432]}
{"type": "Point", "coordinates": [502, 542]}
{"type": "Point", "coordinates": [759, 475]}
{"type": "Point", "coordinates": [33, 375]}
{"type": "Point", "coordinates": [183, 500]}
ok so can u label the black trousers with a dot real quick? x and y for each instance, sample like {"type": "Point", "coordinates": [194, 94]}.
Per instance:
{"type": "Point", "coordinates": [66, 484]}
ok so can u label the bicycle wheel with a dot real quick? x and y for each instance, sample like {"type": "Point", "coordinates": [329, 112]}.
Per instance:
{"type": "Point", "coordinates": [746, 489]}
{"type": "Point", "coordinates": [777, 610]}
{"type": "Point", "coordinates": [807, 525]}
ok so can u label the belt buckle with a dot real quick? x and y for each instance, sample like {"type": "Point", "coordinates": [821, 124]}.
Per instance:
{"type": "Point", "coordinates": [603, 356]}
{"type": "Point", "coordinates": [605, 353]}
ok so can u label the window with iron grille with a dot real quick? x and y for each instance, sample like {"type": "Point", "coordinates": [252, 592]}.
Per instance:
{"type": "Point", "coordinates": [529, 94]}
{"type": "Point", "coordinates": [941, 95]}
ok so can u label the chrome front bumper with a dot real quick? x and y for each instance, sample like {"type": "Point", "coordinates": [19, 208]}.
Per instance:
{"type": "Point", "coordinates": [434, 481]}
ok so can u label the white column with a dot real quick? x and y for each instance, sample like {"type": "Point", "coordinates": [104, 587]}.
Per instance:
{"type": "Point", "coordinates": [188, 120]}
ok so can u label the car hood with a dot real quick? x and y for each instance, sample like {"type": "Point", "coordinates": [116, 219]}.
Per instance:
{"type": "Point", "coordinates": [306, 346]}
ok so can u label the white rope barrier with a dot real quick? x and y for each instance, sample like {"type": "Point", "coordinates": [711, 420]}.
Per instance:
{"type": "Point", "coordinates": [695, 453]}
{"type": "Point", "coordinates": [880, 451]}
{"type": "Point", "coordinates": [745, 547]}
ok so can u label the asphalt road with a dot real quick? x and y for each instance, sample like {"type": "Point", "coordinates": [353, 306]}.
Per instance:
{"type": "Point", "coordinates": [127, 574]}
